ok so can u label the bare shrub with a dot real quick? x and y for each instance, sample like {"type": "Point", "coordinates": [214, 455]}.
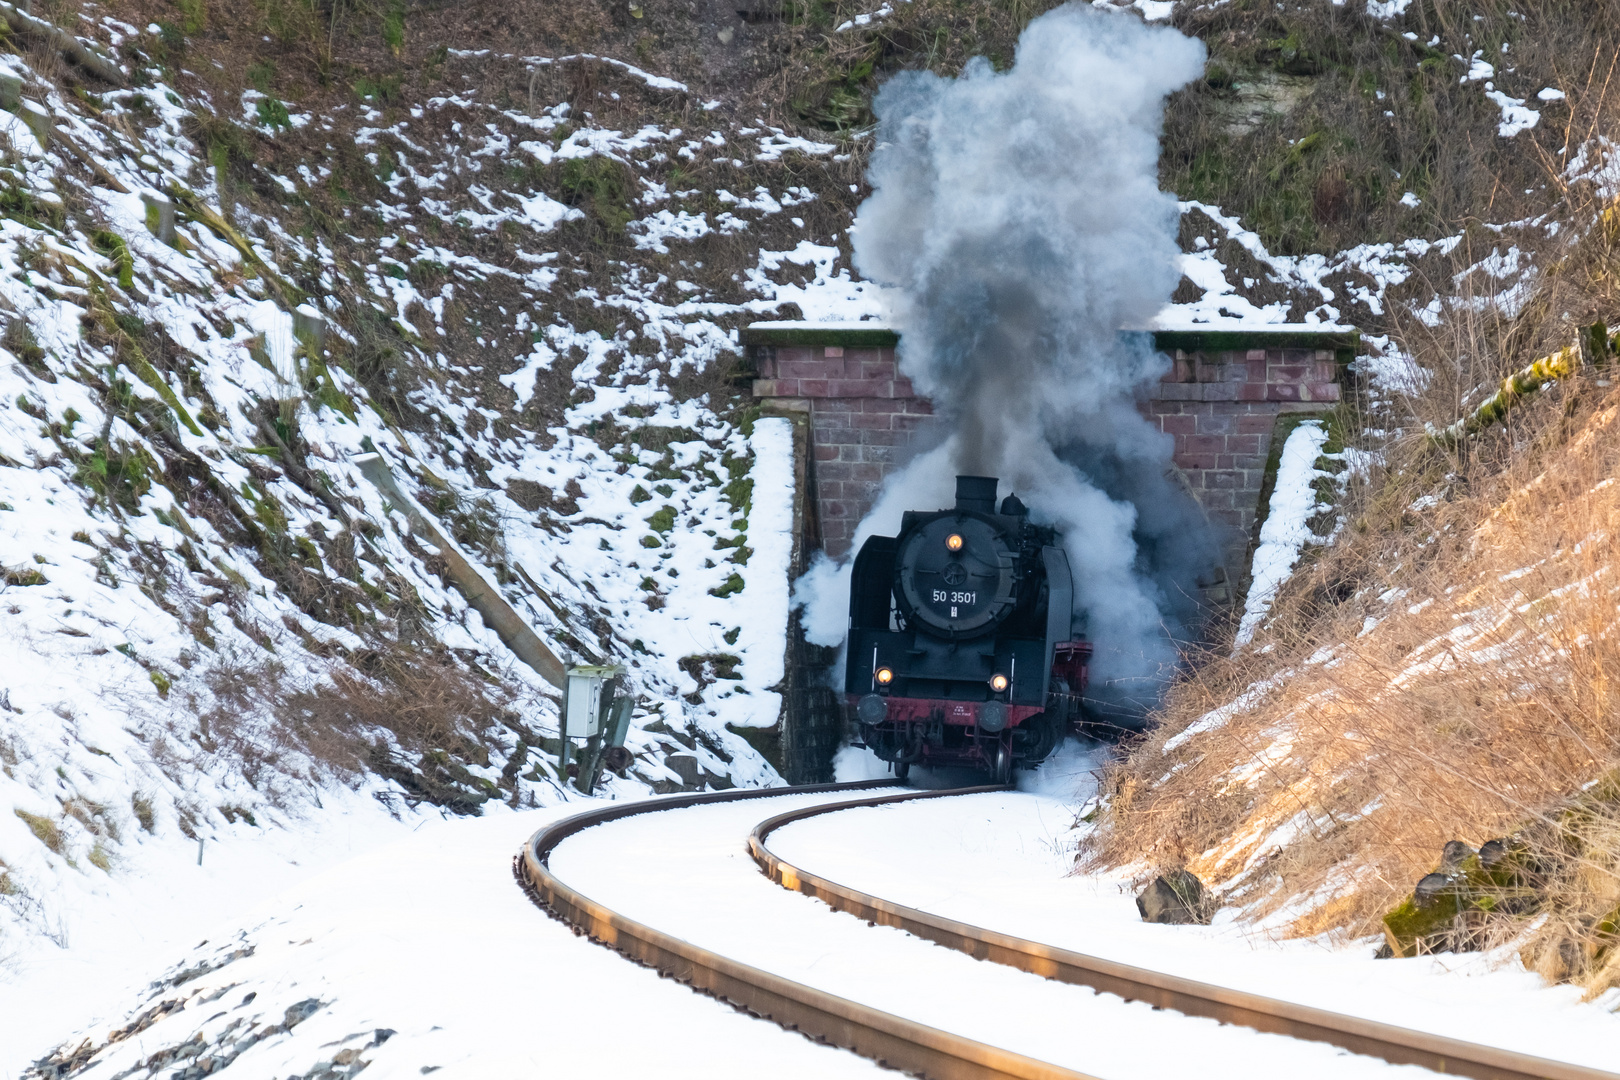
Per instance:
{"type": "Point", "coordinates": [141, 804]}
{"type": "Point", "coordinates": [412, 714]}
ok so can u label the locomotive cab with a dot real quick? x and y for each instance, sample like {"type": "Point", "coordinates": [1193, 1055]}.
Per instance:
{"type": "Point", "coordinates": [959, 645]}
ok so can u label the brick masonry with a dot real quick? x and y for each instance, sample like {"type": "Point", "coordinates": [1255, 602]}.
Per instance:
{"type": "Point", "coordinates": [1222, 405]}
{"type": "Point", "coordinates": [1223, 410]}
{"type": "Point", "coordinates": [863, 417]}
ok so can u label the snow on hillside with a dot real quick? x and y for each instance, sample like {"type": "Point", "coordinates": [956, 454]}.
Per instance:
{"type": "Point", "coordinates": [379, 966]}
{"type": "Point", "coordinates": [195, 575]}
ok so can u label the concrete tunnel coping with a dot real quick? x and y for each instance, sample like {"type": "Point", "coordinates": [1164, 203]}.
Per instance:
{"type": "Point", "coordinates": [1168, 336]}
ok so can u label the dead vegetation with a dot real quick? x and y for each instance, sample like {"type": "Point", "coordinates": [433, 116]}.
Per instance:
{"type": "Point", "coordinates": [408, 713]}
{"type": "Point", "coordinates": [1315, 120]}
{"type": "Point", "coordinates": [1446, 670]}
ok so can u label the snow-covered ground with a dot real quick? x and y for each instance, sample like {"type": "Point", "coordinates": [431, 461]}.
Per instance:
{"type": "Point", "coordinates": [427, 944]}
{"type": "Point", "coordinates": [120, 933]}
{"type": "Point", "coordinates": [687, 872]}
{"type": "Point", "coordinates": [1001, 861]}
{"type": "Point", "coordinates": [430, 941]}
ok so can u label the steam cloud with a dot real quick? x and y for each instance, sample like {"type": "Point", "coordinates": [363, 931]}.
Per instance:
{"type": "Point", "coordinates": [1018, 220]}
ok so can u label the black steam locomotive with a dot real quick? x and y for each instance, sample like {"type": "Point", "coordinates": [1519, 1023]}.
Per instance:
{"type": "Point", "coordinates": [959, 638]}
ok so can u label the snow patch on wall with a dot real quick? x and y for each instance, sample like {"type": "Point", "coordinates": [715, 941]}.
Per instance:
{"type": "Point", "coordinates": [1285, 532]}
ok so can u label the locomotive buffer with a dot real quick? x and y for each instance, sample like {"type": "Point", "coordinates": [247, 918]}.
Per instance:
{"type": "Point", "coordinates": [960, 651]}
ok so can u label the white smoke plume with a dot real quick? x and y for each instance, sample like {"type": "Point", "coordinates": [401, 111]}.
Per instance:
{"type": "Point", "coordinates": [1018, 221]}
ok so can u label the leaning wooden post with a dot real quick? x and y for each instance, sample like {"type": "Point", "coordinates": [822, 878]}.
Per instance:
{"type": "Point", "coordinates": [1595, 346]}
{"type": "Point", "coordinates": [482, 595]}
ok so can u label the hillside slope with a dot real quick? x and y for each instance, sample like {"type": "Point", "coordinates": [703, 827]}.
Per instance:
{"type": "Point", "coordinates": [507, 247]}
{"type": "Point", "coordinates": [1439, 668]}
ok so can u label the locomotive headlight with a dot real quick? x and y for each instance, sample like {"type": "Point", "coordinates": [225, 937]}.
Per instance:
{"type": "Point", "coordinates": [885, 676]}
{"type": "Point", "coordinates": [954, 542]}
{"type": "Point", "coordinates": [998, 682]}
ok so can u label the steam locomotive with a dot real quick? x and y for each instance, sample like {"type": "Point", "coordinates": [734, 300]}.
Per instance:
{"type": "Point", "coordinates": [960, 650]}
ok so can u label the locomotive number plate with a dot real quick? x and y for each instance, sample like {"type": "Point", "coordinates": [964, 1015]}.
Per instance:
{"type": "Point", "coordinates": [943, 597]}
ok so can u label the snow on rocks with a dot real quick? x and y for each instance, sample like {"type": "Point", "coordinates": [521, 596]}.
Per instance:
{"type": "Point", "coordinates": [180, 512]}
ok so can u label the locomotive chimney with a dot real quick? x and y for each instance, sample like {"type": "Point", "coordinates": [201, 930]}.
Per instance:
{"type": "Point", "coordinates": [976, 493]}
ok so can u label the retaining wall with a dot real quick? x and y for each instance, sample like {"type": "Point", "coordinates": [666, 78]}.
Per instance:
{"type": "Point", "coordinates": [1222, 401]}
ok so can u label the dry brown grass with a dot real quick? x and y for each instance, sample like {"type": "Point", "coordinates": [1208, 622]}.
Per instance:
{"type": "Point", "coordinates": [1447, 668]}
{"type": "Point", "coordinates": [410, 713]}
{"type": "Point", "coordinates": [1446, 671]}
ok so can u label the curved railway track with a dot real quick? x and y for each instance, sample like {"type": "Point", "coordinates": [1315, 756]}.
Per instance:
{"type": "Point", "coordinates": [942, 1055]}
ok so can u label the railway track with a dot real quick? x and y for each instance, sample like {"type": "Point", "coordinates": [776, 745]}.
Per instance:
{"type": "Point", "coordinates": [930, 1051]}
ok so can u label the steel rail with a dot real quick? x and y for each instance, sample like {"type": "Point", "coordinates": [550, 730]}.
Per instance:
{"type": "Point", "coordinates": [891, 1040]}
{"type": "Point", "coordinates": [1401, 1046]}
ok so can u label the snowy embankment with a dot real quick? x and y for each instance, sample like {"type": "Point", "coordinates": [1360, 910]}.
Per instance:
{"type": "Point", "coordinates": [1001, 861]}
{"type": "Point", "coordinates": [349, 969]}
{"type": "Point", "coordinates": [422, 956]}
{"type": "Point", "coordinates": [1285, 531]}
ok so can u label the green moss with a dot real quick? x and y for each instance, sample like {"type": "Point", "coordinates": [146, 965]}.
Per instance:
{"type": "Point", "coordinates": [733, 585]}
{"type": "Point", "coordinates": [393, 27]}
{"type": "Point", "coordinates": [161, 681]}
{"type": "Point", "coordinates": [1408, 924]}
{"type": "Point", "coordinates": [22, 576]}
{"type": "Point", "coordinates": [663, 520]}
{"type": "Point", "coordinates": [600, 186]}
{"type": "Point", "coordinates": [273, 114]}
{"type": "Point", "coordinates": [739, 489]}
{"type": "Point", "coordinates": [262, 74]}
{"type": "Point", "coordinates": [384, 88]}
{"type": "Point", "coordinates": [703, 667]}
{"type": "Point", "coordinates": [651, 541]}
{"type": "Point", "coordinates": [193, 15]}
{"type": "Point", "coordinates": [640, 495]}
{"type": "Point", "coordinates": [767, 741]}
{"type": "Point", "coordinates": [112, 245]}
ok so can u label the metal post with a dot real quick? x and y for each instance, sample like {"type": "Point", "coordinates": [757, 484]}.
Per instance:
{"type": "Point", "coordinates": [613, 734]}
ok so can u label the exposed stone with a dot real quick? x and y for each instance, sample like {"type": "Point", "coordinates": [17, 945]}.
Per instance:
{"type": "Point", "coordinates": [1431, 890]}
{"type": "Point", "coordinates": [159, 216]}
{"type": "Point", "coordinates": [717, 781]}
{"type": "Point", "coordinates": [38, 120]}
{"type": "Point", "coordinates": [685, 765]}
{"type": "Point", "coordinates": [1456, 857]}
{"type": "Point", "coordinates": [309, 326]}
{"type": "Point", "coordinates": [297, 1014]}
{"type": "Point", "coordinates": [1176, 898]}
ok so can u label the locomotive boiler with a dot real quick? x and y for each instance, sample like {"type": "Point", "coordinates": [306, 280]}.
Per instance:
{"type": "Point", "coordinates": [960, 650]}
